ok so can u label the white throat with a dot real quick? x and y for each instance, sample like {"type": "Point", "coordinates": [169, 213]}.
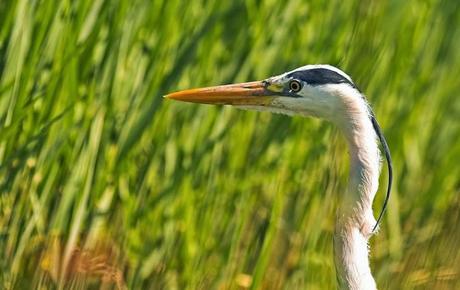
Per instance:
{"type": "Point", "coordinates": [355, 219]}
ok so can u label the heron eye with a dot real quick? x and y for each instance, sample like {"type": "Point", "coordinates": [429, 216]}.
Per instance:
{"type": "Point", "coordinates": [295, 86]}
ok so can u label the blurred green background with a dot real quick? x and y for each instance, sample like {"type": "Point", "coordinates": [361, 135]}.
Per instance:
{"type": "Point", "coordinates": [104, 184]}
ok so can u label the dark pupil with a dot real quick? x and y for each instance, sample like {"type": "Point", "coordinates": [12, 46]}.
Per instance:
{"type": "Point", "coordinates": [295, 86]}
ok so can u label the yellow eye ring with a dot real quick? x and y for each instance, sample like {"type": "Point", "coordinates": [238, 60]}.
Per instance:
{"type": "Point", "coordinates": [295, 86]}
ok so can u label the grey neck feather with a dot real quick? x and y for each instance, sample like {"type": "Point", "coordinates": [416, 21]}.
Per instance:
{"type": "Point", "coordinates": [355, 221]}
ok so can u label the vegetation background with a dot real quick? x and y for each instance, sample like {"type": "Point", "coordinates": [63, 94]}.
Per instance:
{"type": "Point", "coordinates": [103, 184]}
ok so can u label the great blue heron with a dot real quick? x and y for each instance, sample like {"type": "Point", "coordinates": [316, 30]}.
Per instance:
{"type": "Point", "coordinates": [326, 92]}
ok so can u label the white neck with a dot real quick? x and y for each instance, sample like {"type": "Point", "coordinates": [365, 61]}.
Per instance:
{"type": "Point", "coordinates": [355, 220]}
{"type": "Point", "coordinates": [344, 106]}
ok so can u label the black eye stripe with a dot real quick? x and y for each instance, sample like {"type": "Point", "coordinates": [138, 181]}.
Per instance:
{"type": "Point", "coordinates": [320, 76]}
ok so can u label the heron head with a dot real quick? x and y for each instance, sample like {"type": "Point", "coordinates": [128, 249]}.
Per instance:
{"type": "Point", "coordinates": [321, 91]}
{"type": "Point", "coordinates": [311, 90]}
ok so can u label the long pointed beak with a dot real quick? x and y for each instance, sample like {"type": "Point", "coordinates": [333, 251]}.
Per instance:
{"type": "Point", "coordinates": [252, 93]}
